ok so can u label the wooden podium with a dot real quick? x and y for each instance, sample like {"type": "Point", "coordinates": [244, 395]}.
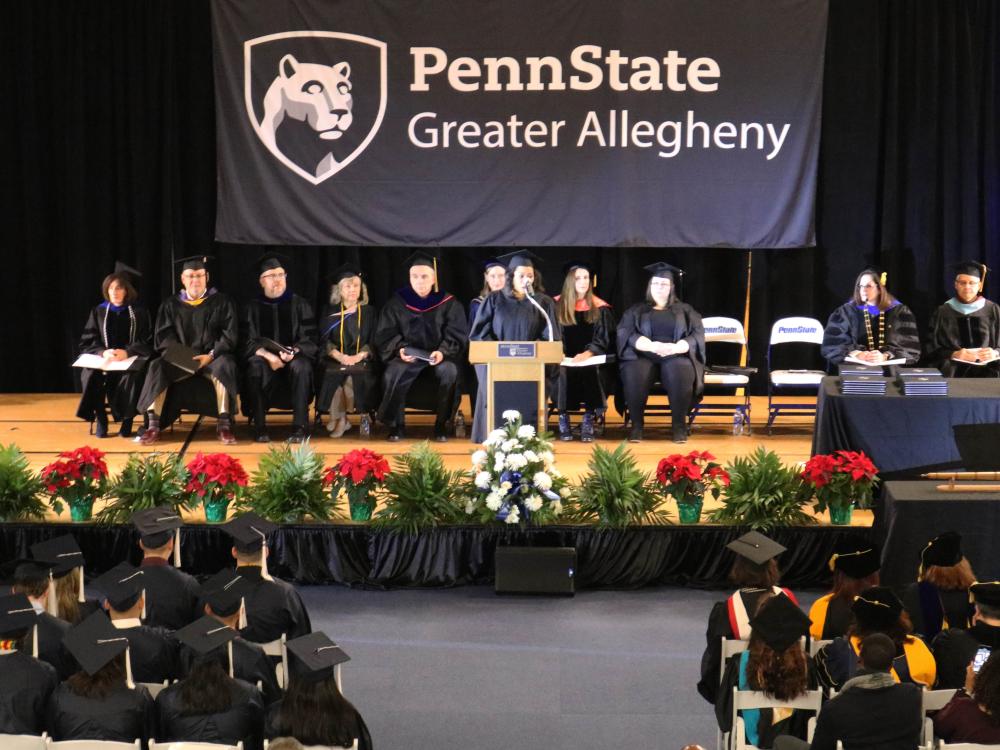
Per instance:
{"type": "Point", "coordinates": [515, 377]}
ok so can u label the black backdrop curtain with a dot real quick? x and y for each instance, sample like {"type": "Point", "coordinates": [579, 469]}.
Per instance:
{"type": "Point", "coordinates": [110, 154]}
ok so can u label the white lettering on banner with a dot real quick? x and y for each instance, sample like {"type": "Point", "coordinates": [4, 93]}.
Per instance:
{"type": "Point", "coordinates": [426, 131]}
{"type": "Point", "coordinates": [592, 67]}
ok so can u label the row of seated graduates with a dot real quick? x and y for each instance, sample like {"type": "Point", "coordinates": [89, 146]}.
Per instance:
{"type": "Point", "coordinates": [942, 621]}
{"type": "Point", "coordinates": [93, 661]}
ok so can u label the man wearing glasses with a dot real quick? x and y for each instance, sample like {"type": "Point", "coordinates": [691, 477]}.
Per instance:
{"type": "Point", "coordinates": [279, 346]}
{"type": "Point", "coordinates": [204, 321]}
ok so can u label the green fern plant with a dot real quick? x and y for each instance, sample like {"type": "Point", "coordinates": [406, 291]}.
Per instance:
{"type": "Point", "coordinates": [288, 486]}
{"type": "Point", "coordinates": [146, 481]}
{"type": "Point", "coordinates": [420, 492]}
{"type": "Point", "coordinates": [20, 487]}
{"type": "Point", "coordinates": [616, 493]}
{"type": "Point", "coordinates": [763, 493]}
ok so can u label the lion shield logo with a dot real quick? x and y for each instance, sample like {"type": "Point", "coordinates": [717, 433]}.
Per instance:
{"type": "Point", "coordinates": [315, 98]}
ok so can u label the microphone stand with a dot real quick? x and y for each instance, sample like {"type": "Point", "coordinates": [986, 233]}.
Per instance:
{"type": "Point", "coordinates": [532, 300]}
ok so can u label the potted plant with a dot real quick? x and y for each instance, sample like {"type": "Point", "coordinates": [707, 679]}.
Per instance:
{"type": "Point", "coordinates": [289, 486]}
{"type": "Point", "coordinates": [419, 492]}
{"type": "Point", "coordinates": [215, 480]}
{"type": "Point", "coordinates": [687, 478]}
{"type": "Point", "coordinates": [763, 493]}
{"type": "Point", "coordinates": [841, 481]}
{"type": "Point", "coordinates": [20, 487]}
{"type": "Point", "coordinates": [616, 493]}
{"type": "Point", "coordinates": [79, 477]}
{"type": "Point", "coordinates": [514, 478]}
{"type": "Point", "coordinates": [359, 474]}
{"type": "Point", "coordinates": [146, 481]}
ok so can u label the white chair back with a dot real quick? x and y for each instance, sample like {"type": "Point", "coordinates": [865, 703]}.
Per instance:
{"type": "Point", "coordinates": [92, 745]}
{"type": "Point", "coordinates": [963, 746]}
{"type": "Point", "coordinates": [321, 747]}
{"type": "Point", "coordinates": [730, 647]}
{"type": "Point", "coordinates": [816, 644]}
{"type": "Point", "coordinates": [811, 700]}
{"type": "Point", "coordinates": [185, 745]}
{"type": "Point", "coordinates": [154, 688]}
{"type": "Point", "coordinates": [797, 330]}
{"type": "Point", "coordinates": [277, 648]}
{"type": "Point", "coordinates": [724, 330]}
{"type": "Point", "coordinates": [935, 700]}
{"type": "Point", "coordinates": [22, 742]}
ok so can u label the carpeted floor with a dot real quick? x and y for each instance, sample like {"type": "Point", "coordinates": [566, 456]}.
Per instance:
{"type": "Point", "coordinates": [465, 668]}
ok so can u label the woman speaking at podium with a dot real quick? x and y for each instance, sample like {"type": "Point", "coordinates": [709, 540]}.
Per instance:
{"type": "Point", "coordinates": [514, 314]}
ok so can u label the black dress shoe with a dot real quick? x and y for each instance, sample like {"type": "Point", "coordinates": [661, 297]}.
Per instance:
{"type": "Point", "coordinates": [635, 434]}
{"type": "Point", "coordinates": [260, 436]}
{"type": "Point", "coordinates": [101, 426]}
{"type": "Point", "coordinates": [298, 435]}
{"type": "Point", "coordinates": [680, 434]}
{"type": "Point", "coordinates": [440, 432]}
{"type": "Point", "coordinates": [396, 433]}
{"type": "Point", "coordinates": [126, 429]}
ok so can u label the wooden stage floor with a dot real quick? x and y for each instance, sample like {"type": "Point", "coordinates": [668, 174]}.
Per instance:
{"type": "Point", "coordinates": [42, 425]}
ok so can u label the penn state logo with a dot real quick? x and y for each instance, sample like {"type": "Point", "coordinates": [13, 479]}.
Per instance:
{"type": "Point", "coordinates": [315, 99]}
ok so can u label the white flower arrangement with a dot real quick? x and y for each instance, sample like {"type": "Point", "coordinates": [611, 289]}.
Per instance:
{"type": "Point", "coordinates": [514, 479]}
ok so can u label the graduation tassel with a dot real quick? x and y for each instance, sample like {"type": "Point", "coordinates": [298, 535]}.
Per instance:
{"type": "Point", "coordinates": [51, 605]}
{"type": "Point", "coordinates": [80, 598]}
{"type": "Point", "coordinates": [263, 554]}
{"type": "Point", "coordinates": [229, 645]}
{"type": "Point", "coordinates": [143, 615]}
{"type": "Point", "coordinates": [177, 547]}
{"type": "Point", "coordinates": [128, 669]}
{"type": "Point", "coordinates": [34, 641]}
{"type": "Point", "coordinates": [435, 261]}
{"type": "Point", "coordinates": [243, 613]}
{"type": "Point", "coordinates": [882, 278]}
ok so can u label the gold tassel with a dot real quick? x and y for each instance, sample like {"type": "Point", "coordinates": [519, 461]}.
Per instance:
{"type": "Point", "coordinates": [832, 564]}
{"type": "Point", "coordinates": [982, 281]}
{"type": "Point", "coordinates": [435, 261]}
{"type": "Point", "coordinates": [881, 279]}
{"type": "Point", "coordinates": [177, 547]}
{"type": "Point", "coordinates": [243, 613]}
{"type": "Point", "coordinates": [51, 605]}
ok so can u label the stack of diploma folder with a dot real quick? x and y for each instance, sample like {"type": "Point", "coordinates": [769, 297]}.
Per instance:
{"type": "Point", "coordinates": [868, 384]}
{"type": "Point", "coordinates": [921, 381]}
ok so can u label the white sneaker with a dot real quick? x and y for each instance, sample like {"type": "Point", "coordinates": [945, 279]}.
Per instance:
{"type": "Point", "coordinates": [342, 426]}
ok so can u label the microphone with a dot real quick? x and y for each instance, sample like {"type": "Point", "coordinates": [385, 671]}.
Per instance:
{"type": "Point", "coordinates": [532, 300]}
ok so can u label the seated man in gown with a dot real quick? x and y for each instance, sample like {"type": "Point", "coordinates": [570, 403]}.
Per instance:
{"type": "Point", "coordinates": [964, 338]}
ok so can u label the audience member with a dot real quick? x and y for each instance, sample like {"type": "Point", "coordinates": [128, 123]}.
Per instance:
{"type": "Point", "coordinates": [973, 713]}
{"type": "Point", "coordinates": [31, 578]}
{"type": "Point", "coordinates": [855, 568]}
{"type": "Point", "coordinates": [955, 649]}
{"type": "Point", "coordinates": [27, 682]}
{"type": "Point", "coordinates": [171, 594]}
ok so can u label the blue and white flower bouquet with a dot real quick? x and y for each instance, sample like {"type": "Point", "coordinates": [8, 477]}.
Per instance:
{"type": "Point", "coordinates": [514, 478]}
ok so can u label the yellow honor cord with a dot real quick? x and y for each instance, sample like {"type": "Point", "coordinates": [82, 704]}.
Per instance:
{"type": "Point", "coordinates": [357, 341]}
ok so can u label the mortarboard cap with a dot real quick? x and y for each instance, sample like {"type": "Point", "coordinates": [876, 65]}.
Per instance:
{"type": "Point", "coordinates": [756, 547]}
{"type": "Point", "coordinates": [193, 262]}
{"type": "Point", "coordinates": [62, 552]}
{"type": "Point", "coordinates": [249, 531]}
{"type": "Point", "coordinates": [519, 258]}
{"type": "Point", "coordinates": [423, 258]}
{"type": "Point", "coordinates": [270, 261]}
{"type": "Point", "coordinates": [315, 656]}
{"type": "Point", "coordinates": [986, 592]}
{"type": "Point", "coordinates": [135, 276]}
{"type": "Point", "coordinates": [344, 271]}
{"type": "Point", "coordinates": [490, 262]}
{"type": "Point", "coordinates": [122, 586]}
{"type": "Point", "coordinates": [664, 271]}
{"type": "Point", "coordinates": [944, 550]}
{"type": "Point", "coordinates": [95, 642]}
{"type": "Point", "coordinates": [25, 572]}
{"type": "Point", "coordinates": [877, 607]}
{"type": "Point", "coordinates": [224, 592]}
{"type": "Point", "coordinates": [16, 615]}
{"type": "Point", "coordinates": [970, 268]}
{"type": "Point", "coordinates": [856, 561]}
{"type": "Point", "coordinates": [205, 635]}
{"type": "Point", "coordinates": [156, 525]}
{"type": "Point", "coordinates": [779, 622]}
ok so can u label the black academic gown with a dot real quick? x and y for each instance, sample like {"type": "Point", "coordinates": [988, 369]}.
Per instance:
{"type": "Point", "coordinates": [272, 607]}
{"type": "Point", "coordinates": [212, 326]}
{"type": "Point", "coordinates": [845, 332]}
{"type": "Point", "coordinates": [129, 328]}
{"type": "Point", "coordinates": [433, 323]}
{"type": "Point", "coordinates": [954, 649]}
{"type": "Point", "coordinates": [250, 664]}
{"type": "Point", "coordinates": [587, 385]}
{"type": "Point", "coordinates": [930, 608]}
{"type": "Point", "coordinates": [153, 653]}
{"type": "Point", "coordinates": [171, 596]}
{"type": "Point", "coordinates": [356, 728]}
{"type": "Point", "coordinates": [351, 338]}
{"type": "Point", "coordinates": [289, 321]}
{"type": "Point", "coordinates": [951, 330]}
{"type": "Point", "coordinates": [25, 690]}
{"type": "Point", "coordinates": [244, 721]}
{"type": "Point", "coordinates": [504, 317]}
{"type": "Point", "coordinates": [122, 716]}
{"type": "Point", "coordinates": [51, 631]}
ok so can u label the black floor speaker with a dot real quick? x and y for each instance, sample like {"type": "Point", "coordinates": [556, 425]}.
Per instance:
{"type": "Point", "coordinates": [535, 570]}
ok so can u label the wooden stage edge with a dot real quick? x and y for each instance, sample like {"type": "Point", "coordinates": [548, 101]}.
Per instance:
{"type": "Point", "coordinates": [43, 425]}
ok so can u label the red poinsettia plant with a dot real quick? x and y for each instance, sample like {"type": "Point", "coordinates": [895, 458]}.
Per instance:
{"type": "Point", "coordinates": [358, 474]}
{"type": "Point", "coordinates": [215, 478]}
{"type": "Point", "coordinates": [841, 479]}
{"type": "Point", "coordinates": [78, 477]}
{"type": "Point", "coordinates": [687, 478]}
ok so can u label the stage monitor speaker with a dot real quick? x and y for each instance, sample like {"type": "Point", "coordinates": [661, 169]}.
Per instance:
{"type": "Point", "coordinates": [535, 570]}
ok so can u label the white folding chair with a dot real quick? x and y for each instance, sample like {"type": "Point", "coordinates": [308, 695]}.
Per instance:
{"type": "Point", "coordinates": [962, 746]}
{"type": "Point", "coordinates": [721, 330]}
{"type": "Point", "coordinates": [816, 644]}
{"type": "Point", "coordinates": [730, 647]}
{"type": "Point", "coordinates": [933, 700]}
{"type": "Point", "coordinates": [749, 699]}
{"type": "Point", "coordinates": [322, 747]}
{"type": "Point", "coordinates": [92, 745]}
{"type": "Point", "coordinates": [185, 745]}
{"type": "Point", "coordinates": [154, 688]}
{"type": "Point", "coordinates": [23, 741]}
{"type": "Point", "coordinates": [277, 648]}
{"type": "Point", "coordinates": [794, 330]}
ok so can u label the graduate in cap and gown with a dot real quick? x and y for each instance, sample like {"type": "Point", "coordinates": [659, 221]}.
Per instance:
{"type": "Point", "coordinates": [153, 650]}
{"type": "Point", "coordinates": [101, 701]}
{"type": "Point", "coordinates": [273, 607]}
{"type": "Point", "coordinates": [964, 338]}
{"type": "Point", "coordinates": [116, 329]}
{"type": "Point", "coordinates": [420, 327]}
{"type": "Point", "coordinates": [350, 365]}
{"type": "Point", "coordinates": [494, 280]}
{"type": "Point", "coordinates": [27, 682]}
{"type": "Point", "coordinates": [279, 345]}
{"type": "Point", "coordinates": [755, 571]}
{"type": "Point", "coordinates": [313, 710]}
{"type": "Point", "coordinates": [662, 339]}
{"type": "Point", "coordinates": [877, 610]}
{"type": "Point", "coordinates": [31, 578]}
{"type": "Point", "coordinates": [954, 649]}
{"type": "Point", "coordinates": [873, 326]}
{"type": "Point", "coordinates": [210, 704]}
{"type": "Point", "coordinates": [588, 329]}
{"type": "Point", "coordinates": [774, 663]}
{"type": "Point", "coordinates": [855, 568]}
{"type": "Point", "coordinates": [171, 594]}
{"type": "Point", "coordinates": [204, 320]}
{"type": "Point", "coordinates": [939, 599]}
{"type": "Point", "coordinates": [65, 599]}
{"type": "Point", "coordinates": [512, 314]}
{"type": "Point", "coordinates": [223, 596]}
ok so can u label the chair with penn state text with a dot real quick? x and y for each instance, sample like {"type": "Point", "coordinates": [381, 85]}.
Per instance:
{"type": "Point", "coordinates": [796, 331]}
{"type": "Point", "coordinates": [723, 376]}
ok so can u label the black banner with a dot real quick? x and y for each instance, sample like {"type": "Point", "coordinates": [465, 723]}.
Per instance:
{"type": "Point", "coordinates": [570, 122]}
